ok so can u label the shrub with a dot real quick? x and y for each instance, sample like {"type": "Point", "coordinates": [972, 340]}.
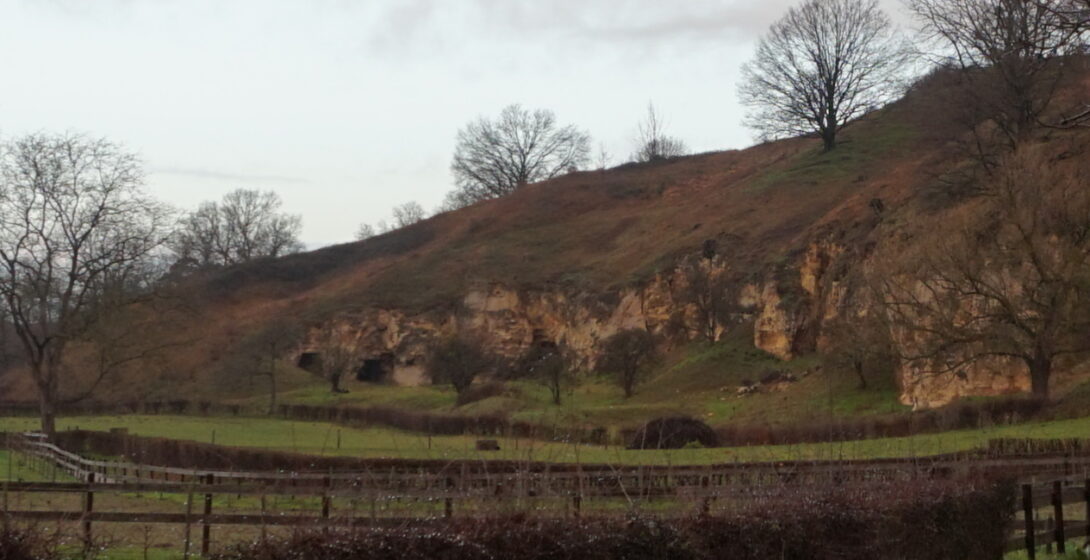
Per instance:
{"type": "Point", "coordinates": [923, 521]}
{"type": "Point", "coordinates": [673, 433]}
{"type": "Point", "coordinates": [25, 543]}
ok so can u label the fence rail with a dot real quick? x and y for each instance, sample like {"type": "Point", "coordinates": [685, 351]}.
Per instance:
{"type": "Point", "coordinates": [449, 484]}
{"type": "Point", "coordinates": [1053, 528]}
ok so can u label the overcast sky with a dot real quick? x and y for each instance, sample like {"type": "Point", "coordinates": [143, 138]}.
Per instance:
{"type": "Point", "coordinates": [347, 108]}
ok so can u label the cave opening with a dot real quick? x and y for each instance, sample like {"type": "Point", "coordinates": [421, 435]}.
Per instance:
{"type": "Point", "coordinates": [310, 361]}
{"type": "Point", "coordinates": [376, 370]}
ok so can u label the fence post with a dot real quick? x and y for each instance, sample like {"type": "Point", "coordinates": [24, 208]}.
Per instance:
{"type": "Point", "coordinates": [206, 528]}
{"type": "Point", "coordinates": [1027, 510]}
{"type": "Point", "coordinates": [88, 507]}
{"type": "Point", "coordinates": [264, 533]}
{"type": "Point", "coordinates": [1058, 514]}
{"type": "Point", "coordinates": [326, 498]}
{"type": "Point", "coordinates": [448, 503]}
{"type": "Point", "coordinates": [188, 524]}
{"type": "Point", "coordinates": [1086, 497]}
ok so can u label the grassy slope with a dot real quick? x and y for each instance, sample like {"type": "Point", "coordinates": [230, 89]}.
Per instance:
{"type": "Point", "coordinates": [698, 380]}
{"type": "Point", "coordinates": [320, 438]}
{"type": "Point", "coordinates": [589, 232]}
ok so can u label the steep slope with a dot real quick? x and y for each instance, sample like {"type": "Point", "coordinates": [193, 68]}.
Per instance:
{"type": "Point", "coordinates": [574, 259]}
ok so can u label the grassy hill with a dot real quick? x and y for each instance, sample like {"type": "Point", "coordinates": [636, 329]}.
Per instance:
{"type": "Point", "coordinates": [591, 233]}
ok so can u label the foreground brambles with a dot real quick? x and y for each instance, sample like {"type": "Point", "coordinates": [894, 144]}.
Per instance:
{"type": "Point", "coordinates": [927, 521]}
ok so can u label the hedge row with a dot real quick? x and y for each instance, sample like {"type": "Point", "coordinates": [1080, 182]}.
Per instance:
{"type": "Point", "coordinates": [917, 523]}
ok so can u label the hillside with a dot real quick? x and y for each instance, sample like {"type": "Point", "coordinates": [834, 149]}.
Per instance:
{"type": "Point", "coordinates": [573, 260]}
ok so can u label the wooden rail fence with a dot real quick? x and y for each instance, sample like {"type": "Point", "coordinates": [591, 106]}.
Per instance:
{"type": "Point", "coordinates": [1069, 483]}
{"type": "Point", "coordinates": [1050, 527]}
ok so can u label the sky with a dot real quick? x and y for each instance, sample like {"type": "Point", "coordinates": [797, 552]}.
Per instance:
{"type": "Point", "coordinates": [348, 108]}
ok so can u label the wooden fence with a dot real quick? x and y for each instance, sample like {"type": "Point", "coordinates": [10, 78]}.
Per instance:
{"type": "Point", "coordinates": [456, 482]}
{"type": "Point", "coordinates": [1044, 522]}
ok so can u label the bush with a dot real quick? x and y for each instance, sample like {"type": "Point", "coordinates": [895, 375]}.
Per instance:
{"type": "Point", "coordinates": [920, 522]}
{"type": "Point", "coordinates": [25, 543]}
{"type": "Point", "coordinates": [673, 433]}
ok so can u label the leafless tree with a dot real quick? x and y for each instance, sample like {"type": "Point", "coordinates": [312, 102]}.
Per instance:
{"type": "Point", "coordinates": [824, 64]}
{"type": "Point", "coordinates": [337, 360]}
{"type": "Point", "coordinates": [1011, 56]}
{"type": "Point", "coordinates": [74, 222]}
{"type": "Point", "coordinates": [494, 158]}
{"type": "Point", "coordinates": [550, 365]}
{"type": "Point", "coordinates": [628, 354]}
{"type": "Point", "coordinates": [365, 231]}
{"type": "Point", "coordinates": [652, 142]}
{"type": "Point", "coordinates": [408, 214]}
{"type": "Point", "coordinates": [603, 158]}
{"type": "Point", "coordinates": [458, 360]}
{"type": "Point", "coordinates": [1007, 279]}
{"type": "Point", "coordinates": [711, 294]}
{"type": "Point", "coordinates": [246, 225]}
{"type": "Point", "coordinates": [455, 200]}
{"type": "Point", "coordinates": [860, 344]}
{"type": "Point", "coordinates": [266, 350]}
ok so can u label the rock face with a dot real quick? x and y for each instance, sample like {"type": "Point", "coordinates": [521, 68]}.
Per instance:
{"type": "Point", "coordinates": [787, 311]}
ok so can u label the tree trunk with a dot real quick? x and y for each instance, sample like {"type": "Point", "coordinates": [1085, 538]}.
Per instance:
{"type": "Point", "coordinates": [858, 364]}
{"type": "Point", "coordinates": [47, 408]}
{"type": "Point", "coordinates": [272, 393]}
{"type": "Point", "coordinates": [828, 140]}
{"type": "Point", "coordinates": [335, 383]}
{"type": "Point", "coordinates": [1040, 369]}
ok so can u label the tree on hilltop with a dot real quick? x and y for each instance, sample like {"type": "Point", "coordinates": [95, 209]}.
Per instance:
{"type": "Point", "coordinates": [494, 158]}
{"type": "Point", "coordinates": [825, 63]}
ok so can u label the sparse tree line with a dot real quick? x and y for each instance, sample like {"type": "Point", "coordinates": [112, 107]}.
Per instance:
{"type": "Point", "coordinates": [496, 157]}
{"type": "Point", "coordinates": [461, 359]}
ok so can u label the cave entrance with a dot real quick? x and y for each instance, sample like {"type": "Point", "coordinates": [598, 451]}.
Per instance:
{"type": "Point", "coordinates": [376, 370]}
{"type": "Point", "coordinates": [310, 361]}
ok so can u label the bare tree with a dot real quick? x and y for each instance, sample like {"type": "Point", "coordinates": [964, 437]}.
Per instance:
{"type": "Point", "coordinates": [337, 361]}
{"type": "Point", "coordinates": [245, 225]}
{"type": "Point", "coordinates": [365, 231]}
{"type": "Point", "coordinates": [74, 222]}
{"type": "Point", "coordinates": [549, 365]}
{"type": "Point", "coordinates": [861, 345]}
{"type": "Point", "coordinates": [603, 158]}
{"type": "Point", "coordinates": [628, 353]}
{"type": "Point", "coordinates": [652, 142]}
{"type": "Point", "coordinates": [408, 214]}
{"type": "Point", "coordinates": [1011, 59]}
{"type": "Point", "coordinates": [711, 294]}
{"type": "Point", "coordinates": [1007, 280]}
{"type": "Point", "coordinates": [494, 158]}
{"type": "Point", "coordinates": [458, 360]}
{"type": "Point", "coordinates": [265, 352]}
{"type": "Point", "coordinates": [824, 64]}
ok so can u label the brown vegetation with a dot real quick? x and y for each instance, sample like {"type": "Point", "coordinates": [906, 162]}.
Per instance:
{"type": "Point", "coordinates": [921, 522]}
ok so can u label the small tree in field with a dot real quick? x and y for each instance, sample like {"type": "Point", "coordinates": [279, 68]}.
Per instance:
{"type": "Point", "coordinates": [628, 354]}
{"type": "Point", "coordinates": [457, 360]}
{"type": "Point", "coordinates": [337, 361]}
{"type": "Point", "coordinates": [269, 347]}
{"type": "Point", "coordinates": [825, 63]}
{"type": "Point", "coordinates": [549, 365]}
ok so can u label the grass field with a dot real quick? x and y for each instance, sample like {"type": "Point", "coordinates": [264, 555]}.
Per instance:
{"type": "Point", "coordinates": [321, 439]}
